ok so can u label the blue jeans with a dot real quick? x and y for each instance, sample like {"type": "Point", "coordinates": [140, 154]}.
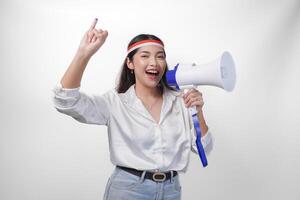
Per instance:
{"type": "Point", "coordinates": [125, 186]}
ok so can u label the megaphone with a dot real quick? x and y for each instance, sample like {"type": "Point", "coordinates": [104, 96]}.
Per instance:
{"type": "Point", "coordinates": [220, 73]}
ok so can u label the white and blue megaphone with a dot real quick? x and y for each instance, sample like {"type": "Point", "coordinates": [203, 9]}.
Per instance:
{"type": "Point", "coordinates": [220, 73]}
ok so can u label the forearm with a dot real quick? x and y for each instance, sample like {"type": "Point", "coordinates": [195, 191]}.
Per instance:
{"type": "Point", "coordinates": [203, 125]}
{"type": "Point", "coordinates": [73, 75]}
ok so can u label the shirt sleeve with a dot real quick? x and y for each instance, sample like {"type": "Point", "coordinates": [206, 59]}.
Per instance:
{"type": "Point", "coordinates": [84, 108]}
{"type": "Point", "coordinates": [206, 140]}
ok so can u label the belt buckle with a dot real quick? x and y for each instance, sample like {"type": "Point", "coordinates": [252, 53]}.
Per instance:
{"type": "Point", "coordinates": [156, 176]}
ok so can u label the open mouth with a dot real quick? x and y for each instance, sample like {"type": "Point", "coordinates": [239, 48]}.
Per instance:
{"type": "Point", "coordinates": [152, 74]}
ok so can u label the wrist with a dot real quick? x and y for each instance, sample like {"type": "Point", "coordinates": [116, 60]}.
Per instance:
{"type": "Point", "coordinates": [199, 109]}
{"type": "Point", "coordinates": [82, 55]}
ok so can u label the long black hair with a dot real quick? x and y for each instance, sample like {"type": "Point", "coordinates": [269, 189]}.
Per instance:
{"type": "Point", "coordinates": [127, 78]}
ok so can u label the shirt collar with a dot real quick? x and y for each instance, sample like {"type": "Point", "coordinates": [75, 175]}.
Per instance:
{"type": "Point", "coordinates": [130, 98]}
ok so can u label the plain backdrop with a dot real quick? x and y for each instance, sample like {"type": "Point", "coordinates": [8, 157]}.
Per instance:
{"type": "Point", "coordinates": [45, 155]}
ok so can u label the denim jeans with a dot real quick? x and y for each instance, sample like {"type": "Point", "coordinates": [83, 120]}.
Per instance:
{"type": "Point", "coordinates": [125, 186]}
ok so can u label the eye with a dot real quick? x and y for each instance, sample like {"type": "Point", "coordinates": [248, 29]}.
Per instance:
{"type": "Point", "coordinates": [161, 56]}
{"type": "Point", "coordinates": [144, 56]}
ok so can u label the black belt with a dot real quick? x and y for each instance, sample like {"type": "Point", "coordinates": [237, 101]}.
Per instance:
{"type": "Point", "coordinates": [154, 176]}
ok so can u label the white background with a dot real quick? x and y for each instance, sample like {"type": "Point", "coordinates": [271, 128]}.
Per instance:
{"type": "Point", "coordinates": [45, 155]}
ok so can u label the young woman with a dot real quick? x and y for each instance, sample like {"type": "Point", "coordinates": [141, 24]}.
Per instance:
{"type": "Point", "coordinates": [150, 131]}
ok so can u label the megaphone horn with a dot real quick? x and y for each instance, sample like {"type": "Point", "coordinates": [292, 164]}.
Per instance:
{"type": "Point", "coordinates": [220, 73]}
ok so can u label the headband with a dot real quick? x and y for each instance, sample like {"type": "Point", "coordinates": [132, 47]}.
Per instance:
{"type": "Point", "coordinates": [143, 43]}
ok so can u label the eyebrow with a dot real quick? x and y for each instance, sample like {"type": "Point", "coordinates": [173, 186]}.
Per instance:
{"type": "Point", "coordinates": [149, 52]}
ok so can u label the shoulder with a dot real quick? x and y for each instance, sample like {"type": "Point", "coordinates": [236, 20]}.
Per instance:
{"type": "Point", "coordinates": [114, 98]}
{"type": "Point", "coordinates": [110, 96]}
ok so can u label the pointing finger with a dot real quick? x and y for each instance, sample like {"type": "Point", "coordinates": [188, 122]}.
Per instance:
{"type": "Point", "coordinates": [93, 24]}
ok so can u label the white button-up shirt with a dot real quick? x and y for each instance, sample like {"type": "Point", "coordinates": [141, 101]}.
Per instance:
{"type": "Point", "coordinates": [136, 140]}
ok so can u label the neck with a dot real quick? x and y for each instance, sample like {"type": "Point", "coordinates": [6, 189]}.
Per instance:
{"type": "Point", "coordinates": [146, 92]}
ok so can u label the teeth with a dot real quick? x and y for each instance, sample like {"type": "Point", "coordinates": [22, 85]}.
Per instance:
{"type": "Point", "coordinates": [152, 71]}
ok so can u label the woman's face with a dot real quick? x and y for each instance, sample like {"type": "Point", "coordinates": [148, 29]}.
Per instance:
{"type": "Point", "coordinates": [149, 64]}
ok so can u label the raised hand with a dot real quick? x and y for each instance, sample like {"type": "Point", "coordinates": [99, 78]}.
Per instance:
{"type": "Point", "coordinates": [92, 40]}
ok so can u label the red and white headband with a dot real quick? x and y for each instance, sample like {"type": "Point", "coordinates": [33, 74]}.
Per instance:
{"type": "Point", "coordinates": [143, 43]}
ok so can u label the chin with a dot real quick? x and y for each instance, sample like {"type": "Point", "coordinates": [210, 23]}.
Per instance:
{"type": "Point", "coordinates": [152, 85]}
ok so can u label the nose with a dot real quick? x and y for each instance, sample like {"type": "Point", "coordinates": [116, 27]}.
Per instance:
{"type": "Point", "coordinates": [152, 61]}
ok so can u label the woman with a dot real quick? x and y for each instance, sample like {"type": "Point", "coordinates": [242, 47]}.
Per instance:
{"type": "Point", "coordinates": [150, 131]}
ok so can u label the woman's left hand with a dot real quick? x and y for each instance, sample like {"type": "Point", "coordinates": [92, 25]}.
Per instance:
{"type": "Point", "coordinates": [193, 98]}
